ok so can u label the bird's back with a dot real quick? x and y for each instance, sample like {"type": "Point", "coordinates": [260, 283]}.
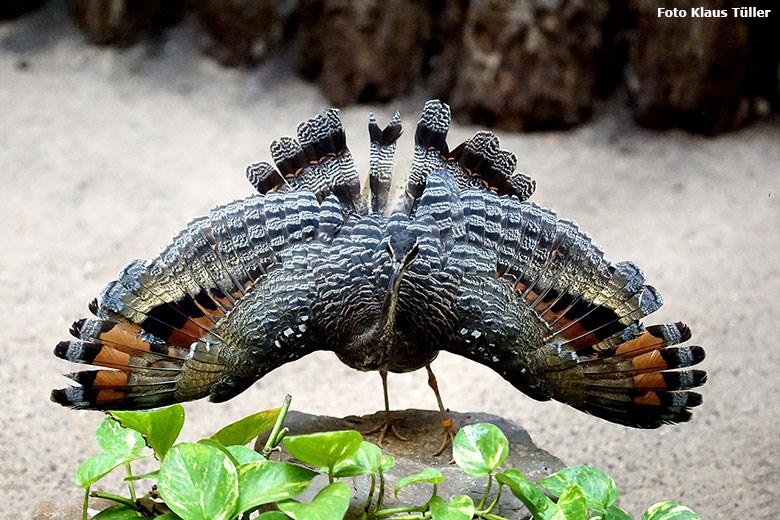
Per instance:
{"type": "Point", "coordinates": [459, 260]}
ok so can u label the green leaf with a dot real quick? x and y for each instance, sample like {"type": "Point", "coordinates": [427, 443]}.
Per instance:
{"type": "Point", "coordinates": [388, 461]}
{"type": "Point", "coordinates": [331, 503]}
{"type": "Point", "coordinates": [159, 426]}
{"type": "Point", "coordinates": [100, 465]}
{"type": "Point", "coordinates": [113, 438]}
{"type": "Point", "coordinates": [118, 512]}
{"type": "Point", "coordinates": [599, 488]}
{"type": "Point", "coordinates": [669, 511]}
{"type": "Point", "coordinates": [613, 513]}
{"type": "Point", "coordinates": [273, 515]}
{"type": "Point", "coordinates": [241, 432]}
{"type": "Point", "coordinates": [220, 447]}
{"type": "Point", "coordinates": [479, 449]}
{"type": "Point", "coordinates": [168, 516]}
{"type": "Point", "coordinates": [540, 506]}
{"type": "Point", "coordinates": [323, 449]}
{"type": "Point", "coordinates": [265, 482]}
{"type": "Point", "coordinates": [460, 508]}
{"type": "Point", "coordinates": [429, 475]}
{"type": "Point", "coordinates": [573, 504]}
{"type": "Point", "coordinates": [198, 482]}
{"type": "Point", "coordinates": [243, 454]}
{"type": "Point", "coordinates": [366, 460]}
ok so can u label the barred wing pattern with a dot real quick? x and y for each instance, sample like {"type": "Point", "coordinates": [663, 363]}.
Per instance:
{"type": "Point", "coordinates": [459, 261]}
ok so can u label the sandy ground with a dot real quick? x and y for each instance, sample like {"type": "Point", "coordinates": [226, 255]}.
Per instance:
{"type": "Point", "coordinates": [104, 154]}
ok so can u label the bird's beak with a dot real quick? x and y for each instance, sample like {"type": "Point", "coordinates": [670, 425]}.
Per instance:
{"type": "Point", "coordinates": [395, 277]}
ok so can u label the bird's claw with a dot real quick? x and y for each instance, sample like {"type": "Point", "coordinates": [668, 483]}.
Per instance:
{"type": "Point", "coordinates": [382, 430]}
{"type": "Point", "coordinates": [449, 437]}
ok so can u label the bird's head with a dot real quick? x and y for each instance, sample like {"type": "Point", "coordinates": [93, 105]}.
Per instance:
{"type": "Point", "coordinates": [402, 247]}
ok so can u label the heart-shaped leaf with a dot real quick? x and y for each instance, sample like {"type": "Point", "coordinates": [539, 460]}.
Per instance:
{"type": "Point", "coordinates": [114, 438]}
{"type": "Point", "coordinates": [429, 475]}
{"type": "Point", "coordinates": [265, 482]}
{"type": "Point", "coordinates": [366, 460]}
{"type": "Point", "coordinates": [100, 465]}
{"type": "Point", "coordinates": [540, 506]}
{"type": "Point", "coordinates": [599, 488]}
{"type": "Point", "coordinates": [323, 449]}
{"type": "Point", "coordinates": [479, 449]}
{"type": "Point", "coordinates": [159, 426]}
{"type": "Point", "coordinates": [241, 432]}
{"type": "Point", "coordinates": [573, 504]}
{"type": "Point", "coordinates": [198, 482]}
{"type": "Point", "coordinates": [460, 508]}
{"type": "Point", "coordinates": [669, 511]}
{"type": "Point", "coordinates": [331, 503]}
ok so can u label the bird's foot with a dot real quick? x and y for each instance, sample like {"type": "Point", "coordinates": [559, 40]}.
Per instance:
{"type": "Point", "coordinates": [448, 432]}
{"type": "Point", "coordinates": [387, 426]}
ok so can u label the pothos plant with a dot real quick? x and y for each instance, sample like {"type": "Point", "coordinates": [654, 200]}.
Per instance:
{"type": "Point", "coordinates": [219, 478]}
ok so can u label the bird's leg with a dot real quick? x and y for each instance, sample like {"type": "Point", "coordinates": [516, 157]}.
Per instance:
{"type": "Point", "coordinates": [446, 422]}
{"type": "Point", "coordinates": [389, 421]}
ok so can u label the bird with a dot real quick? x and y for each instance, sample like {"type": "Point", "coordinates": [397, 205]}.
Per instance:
{"type": "Point", "coordinates": [448, 256]}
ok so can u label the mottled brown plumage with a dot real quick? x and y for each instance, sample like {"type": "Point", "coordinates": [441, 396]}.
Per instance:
{"type": "Point", "coordinates": [458, 261]}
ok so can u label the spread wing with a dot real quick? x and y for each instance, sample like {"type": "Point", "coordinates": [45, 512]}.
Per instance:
{"type": "Point", "coordinates": [537, 301]}
{"type": "Point", "coordinates": [227, 300]}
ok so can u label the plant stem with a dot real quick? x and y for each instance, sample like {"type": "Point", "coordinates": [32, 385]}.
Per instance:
{"type": "Point", "coordinates": [272, 438]}
{"type": "Point", "coordinates": [370, 493]}
{"type": "Point", "coordinates": [115, 498]}
{"type": "Point", "coordinates": [412, 517]}
{"type": "Point", "coordinates": [490, 516]}
{"type": "Point", "coordinates": [487, 491]}
{"type": "Point", "coordinates": [130, 483]}
{"type": "Point", "coordinates": [330, 474]}
{"type": "Point", "coordinates": [84, 515]}
{"type": "Point", "coordinates": [394, 510]}
{"type": "Point", "coordinates": [498, 497]}
{"type": "Point", "coordinates": [381, 494]}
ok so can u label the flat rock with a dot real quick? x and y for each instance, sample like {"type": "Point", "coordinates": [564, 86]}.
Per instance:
{"type": "Point", "coordinates": [422, 428]}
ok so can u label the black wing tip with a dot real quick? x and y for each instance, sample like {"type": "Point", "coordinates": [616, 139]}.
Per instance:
{"type": "Point", "coordinates": [72, 397]}
{"type": "Point", "coordinates": [61, 350]}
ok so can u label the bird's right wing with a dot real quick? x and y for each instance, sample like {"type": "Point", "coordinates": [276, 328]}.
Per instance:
{"type": "Point", "coordinates": [540, 304]}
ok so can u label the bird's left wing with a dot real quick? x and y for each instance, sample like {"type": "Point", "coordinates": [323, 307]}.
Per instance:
{"type": "Point", "coordinates": [227, 300]}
